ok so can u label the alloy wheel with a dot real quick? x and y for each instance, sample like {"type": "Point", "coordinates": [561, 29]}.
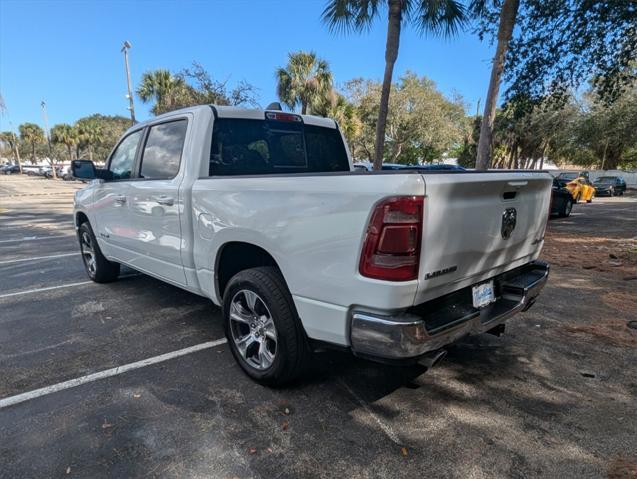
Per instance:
{"type": "Point", "coordinates": [253, 330]}
{"type": "Point", "coordinates": [88, 253]}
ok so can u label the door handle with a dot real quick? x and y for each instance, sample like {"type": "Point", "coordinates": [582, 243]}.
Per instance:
{"type": "Point", "coordinates": [120, 199]}
{"type": "Point", "coordinates": [517, 184]}
{"type": "Point", "coordinates": [165, 200]}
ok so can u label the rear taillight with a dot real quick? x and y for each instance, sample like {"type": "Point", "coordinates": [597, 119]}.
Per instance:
{"type": "Point", "coordinates": [391, 249]}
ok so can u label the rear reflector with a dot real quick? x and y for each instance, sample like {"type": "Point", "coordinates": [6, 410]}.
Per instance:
{"type": "Point", "coordinates": [278, 116]}
{"type": "Point", "coordinates": [391, 249]}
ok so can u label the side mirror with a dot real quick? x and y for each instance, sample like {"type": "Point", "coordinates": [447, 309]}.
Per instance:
{"type": "Point", "coordinates": [83, 169]}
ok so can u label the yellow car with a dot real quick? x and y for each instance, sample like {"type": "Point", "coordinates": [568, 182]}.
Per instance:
{"type": "Point", "coordinates": [579, 186]}
{"type": "Point", "coordinates": [581, 189]}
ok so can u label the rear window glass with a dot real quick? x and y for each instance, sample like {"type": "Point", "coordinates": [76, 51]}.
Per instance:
{"type": "Point", "coordinates": [261, 147]}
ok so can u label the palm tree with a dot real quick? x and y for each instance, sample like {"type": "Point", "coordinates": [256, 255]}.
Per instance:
{"type": "Point", "coordinates": [343, 112]}
{"type": "Point", "coordinates": [437, 17]}
{"type": "Point", "coordinates": [306, 81]}
{"type": "Point", "coordinates": [12, 140]}
{"type": "Point", "coordinates": [90, 133]}
{"type": "Point", "coordinates": [508, 13]}
{"type": "Point", "coordinates": [33, 134]}
{"type": "Point", "coordinates": [163, 87]}
{"type": "Point", "coordinates": [65, 135]}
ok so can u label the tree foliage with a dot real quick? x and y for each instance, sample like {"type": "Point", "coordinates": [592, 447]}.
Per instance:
{"type": "Point", "coordinates": [433, 17]}
{"type": "Point", "coordinates": [191, 86]}
{"type": "Point", "coordinates": [32, 135]}
{"type": "Point", "coordinates": [584, 131]}
{"type": "Point", "coordinates": [422, 123]}
{"type": "Point", "coordinates": [560, 45]}
{"type": "Point", "coordinates": [305, 82]}
{"type": "Point", "coordinates": [98, 134]}
{"type": "Point", "coordinates": [66, 135]}
{"type": "Point", "coordinates": [340, 109]}
{"type": "Point", "coordinates": [13, 142]}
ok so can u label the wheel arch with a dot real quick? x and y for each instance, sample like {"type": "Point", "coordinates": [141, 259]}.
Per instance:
{"type": "Point", "coordinates": [81, 217]}
{"type": "Point", "coordinates": [236, 256]}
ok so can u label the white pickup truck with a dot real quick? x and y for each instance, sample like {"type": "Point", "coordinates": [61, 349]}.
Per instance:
{"type": "Point", "coordinates": [263, 213]}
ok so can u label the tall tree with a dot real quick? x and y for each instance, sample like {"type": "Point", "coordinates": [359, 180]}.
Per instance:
{"type": "Point", "coordinates": [306, 81]}
{"type": "Point", "coordinates": [11, 139]}
{"type": "Point", "coordinates": [33, 135]}
{"type": "Point", "coordinates": [66, 135]}
{"type": "Point", "coordinates": [90, 133]}
{"type": "Point", "coordinates": [162, 87]}
{"type": "Point", "coordinates": [436, 17]}
{"type": "Point", "coordinates": [508, 14]}
{"type": "Point", "coordinates": [422, 123]}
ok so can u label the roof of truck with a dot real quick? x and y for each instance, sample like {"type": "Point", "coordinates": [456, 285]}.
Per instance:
{"type": "Point", "coordinates": [243, 113]}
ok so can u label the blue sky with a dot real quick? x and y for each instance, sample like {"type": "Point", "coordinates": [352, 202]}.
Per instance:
{"type": "Point", "coordinates": [68, 52]}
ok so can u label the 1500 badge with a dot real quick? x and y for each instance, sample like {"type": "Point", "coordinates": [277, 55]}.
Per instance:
{"type": "Point", "coordinates": [440, 272]}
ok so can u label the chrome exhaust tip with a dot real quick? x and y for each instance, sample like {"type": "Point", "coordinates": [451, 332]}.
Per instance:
{"type": "Point", "coordinates": [429, 360]}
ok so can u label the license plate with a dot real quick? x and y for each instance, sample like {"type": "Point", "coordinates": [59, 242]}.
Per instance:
{"type": "Point", "coordinates": [483, 294]}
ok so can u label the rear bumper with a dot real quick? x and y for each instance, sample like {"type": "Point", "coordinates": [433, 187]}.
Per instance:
{"type": "Point", "coordinates": [434, 324]}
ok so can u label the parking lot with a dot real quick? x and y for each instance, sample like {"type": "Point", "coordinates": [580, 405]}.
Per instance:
{"type": "Point", "coordinates": [134, 378]}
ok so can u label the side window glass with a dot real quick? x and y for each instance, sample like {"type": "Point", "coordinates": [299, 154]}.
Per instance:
{"type": "Point", "coordinates": [162, 153]}
{"type": "Point", "coordinates": [123, 158]}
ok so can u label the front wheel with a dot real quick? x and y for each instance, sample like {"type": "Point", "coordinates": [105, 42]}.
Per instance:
{"type": "Point", "coordinates": [566, 210]}
{"type": "Point", "coordinates": [263, 329]}
{"type": "Point", "coordinates": [98, 268]}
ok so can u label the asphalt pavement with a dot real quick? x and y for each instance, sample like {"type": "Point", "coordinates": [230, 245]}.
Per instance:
{"type": "Point", "coordinates": [134, 379]}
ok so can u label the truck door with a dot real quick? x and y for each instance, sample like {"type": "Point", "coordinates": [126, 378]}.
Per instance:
{"type": "Point", "coordinates": [155, 205]}
{"type": "Point", "coordinates": [111, 200]}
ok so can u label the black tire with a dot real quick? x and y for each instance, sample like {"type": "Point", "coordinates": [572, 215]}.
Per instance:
{"type": "Point", "coordinates": [591, 200]}
{"type": "Point", "coordinates": [292, 353]}
{"type": "Point", "coordinates": [578, 198]}
{"type": "Point", "coordinates": [102, 270]}
{"type": "Point", "coordinates": [565, 212]}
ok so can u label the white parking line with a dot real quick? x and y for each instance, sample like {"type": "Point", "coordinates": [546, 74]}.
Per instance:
{"type": "Point", "coordinates": [9, 261]}
{"type": "Point", "coordinates": [69, 285]}
{"type": "Point", "coordinates": [35, 238]}
{"type": "Point", "coordinates": [11, 400]}
{"type": "Point", "coordinates": [48, 288]}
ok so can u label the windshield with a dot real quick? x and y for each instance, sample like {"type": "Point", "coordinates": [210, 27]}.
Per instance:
{"type": "Point", "coordinates": [567, 176]}
{"type": "Point", "coordinates": [606, 179]}
{"type": "Point", "coordinates": [258, 147]}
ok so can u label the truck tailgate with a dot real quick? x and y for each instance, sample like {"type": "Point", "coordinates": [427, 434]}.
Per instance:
{"type": "Point", "coordinates": [477, 225]}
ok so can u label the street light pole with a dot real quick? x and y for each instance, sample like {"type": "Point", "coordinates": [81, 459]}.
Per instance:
{"type": "Point", "coordinates": [48, 138]}
{"type": "Point", "coordinates": [131, 107]}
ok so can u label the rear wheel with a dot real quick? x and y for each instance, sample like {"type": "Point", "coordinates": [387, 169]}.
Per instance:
{"type": "Point", "coordinates": [98, 268]}
{"type": "Point", "coordinates": [590, 200]}
{"type": "Point", "coordinates": [263, 329]}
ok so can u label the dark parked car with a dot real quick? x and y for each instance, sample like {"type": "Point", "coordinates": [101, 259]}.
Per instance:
{"type": "Point", "coordinates": [609, 185]}
{"type": "Point", "coordinates": [561, 200]}
{"type": "Point", "coordinates": [10, 169]}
